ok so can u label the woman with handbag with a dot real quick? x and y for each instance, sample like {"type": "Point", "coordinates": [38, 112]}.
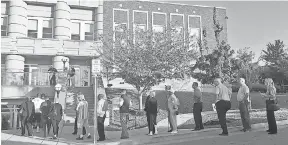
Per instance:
{"type": "Point", "coordinates": [271, 105]}
{"type": "Point", "coordinates": [172, 106]}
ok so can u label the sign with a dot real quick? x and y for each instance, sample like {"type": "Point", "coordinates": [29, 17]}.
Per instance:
{"type": "Point", "coordinates": [96, 66]}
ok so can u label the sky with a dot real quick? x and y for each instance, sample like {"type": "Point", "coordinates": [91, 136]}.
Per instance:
{"type": "Point", "coordinates": [252, 23]}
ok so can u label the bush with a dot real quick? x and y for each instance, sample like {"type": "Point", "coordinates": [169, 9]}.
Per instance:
{"type": "Point", "coordinates": [258, 88]}
{"type": "Point", "coordinates": [5, 121]}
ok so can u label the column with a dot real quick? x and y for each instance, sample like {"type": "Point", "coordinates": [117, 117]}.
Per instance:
{"type": "Point", "coordinates": [62, 20]}
{"type": "Point", "coordinates": [58, 62]}
{"type": "Point", "coordinates": [17, 19]}
{"type": "Point", "coordinates": [14, 70]}
{"type": "Point", "coordinates": [98, 27]}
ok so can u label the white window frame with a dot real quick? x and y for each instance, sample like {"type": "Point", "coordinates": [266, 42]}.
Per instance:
{"type": "Point", "coordinates": [197, 16]}
{"type": "Point", "coordinates": [5, 16]}
{"type": "Point", "coordinates": [114, 24]}
{"type": "Point", "coordinates": [200, 24]}
{"type": "Point", "coordinates": [134, 24]}
{"type": "Point", "coordinates": [183, 27]}
{"type": "Point", "coordinates": [82, 28]}
{"type": "Point", "coordinates": [40, 26]}
{"type": "Point", "coordinates": [159, 25]}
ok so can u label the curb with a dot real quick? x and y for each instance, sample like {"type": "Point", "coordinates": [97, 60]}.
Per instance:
{"type": "Point", "coordinates": [254, 126]}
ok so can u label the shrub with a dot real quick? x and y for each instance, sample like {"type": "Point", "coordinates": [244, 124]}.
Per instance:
{"type": "Point", "coordinates": [258, 88]}
{"type": "Point", "coordinates": [5, 121]}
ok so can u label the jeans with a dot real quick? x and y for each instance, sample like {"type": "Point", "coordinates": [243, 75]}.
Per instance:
{"type": "Point", "coordinates": [100, 127]}
{"type": "Point", "coordinates": [244, 113]}
{"type": "Point", "coordinates": [124, 121]}
{"type": "Point", "coordinates": [222, 107]}
{"type": "Point", "coordinates": [76, 128]}
{"type": "Point", "coordinates": [271, 118]}
{"type": "Point", "coordinates": [152, 122]}
{"type": "Point", "coordinates": [26, 123]}
{"type": "Point", "coordinates": [197, 109]}
{"type": "Point", "coordinates": [55, 124]}
{"type": "Point", "coordinates": [46, 122]}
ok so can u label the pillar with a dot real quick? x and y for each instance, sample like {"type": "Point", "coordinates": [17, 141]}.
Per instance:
{"type": "Point", "coordinates": [14, 69]}
{"type": "Point", "coordinates": [62, 20]}
{"type": "Point", "coordinates": [17, 19]}
{"type": "Point", "coordinates": [98, 27]}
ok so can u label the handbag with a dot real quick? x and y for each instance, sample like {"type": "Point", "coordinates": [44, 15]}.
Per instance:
{"type": "Point", "coordinates": [273, 106]}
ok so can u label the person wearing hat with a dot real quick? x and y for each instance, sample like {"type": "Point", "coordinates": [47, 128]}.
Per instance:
{"type": "Point", "coordinates": [27, 111]}
{"type": "Point", "coordinates": [172, 108]}
{"type": "Point", "coordinates": [47, 110]}
{"type": "Point", "coordinates": [82, 112]}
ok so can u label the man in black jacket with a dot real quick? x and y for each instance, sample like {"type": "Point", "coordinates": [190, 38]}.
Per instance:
{"type": "Point", "coordinates": [147, 115]}
{"type": "Point", "coordinates": [152, 110]}
{"type": "Point", "coordinates": [27, 112]}
{"type": "Point", "coordinates": [47, 110]}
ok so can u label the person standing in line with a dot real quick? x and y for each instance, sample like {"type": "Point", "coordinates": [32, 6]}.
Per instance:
{"type": "Point", "coordinates": [124, 104]}
{"type": "Point", "coordinates": [83, 116]}
{"type": "Point", "coordinates": [223, 104]}
{"type": "Point", "coordinates": [152, 110]}
{"type": "Point", "coordinates": [243, 101]}
{"type": "Point", "coordinates": [172, 105]}
{"type": "Point", "coordinates": [147, 115]}
{"type": "Point", "coordinates": [76, 118]}
{"type": "Point", "coordinates": [37, 102]}
{"type": "Point", "coordinates": [27, 111]}
{"type": "Point", "coordinates": [47, 112]}
{"type": "Point", "coordinates": [271, 98]}
{"type": "Point", "coordinates": [102, 107]}
{"type": "Point", "coordinates": [197, 107]}
{"type": "Point", "coordinates": [56, 118]}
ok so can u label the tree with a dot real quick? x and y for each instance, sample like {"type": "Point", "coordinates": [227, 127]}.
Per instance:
{"type": "Point", "coordinates": [216, 64]}
{"type": "Point", "coordinates": [147, 58]}
{"type": "Point", "coordinates": [276, 59]}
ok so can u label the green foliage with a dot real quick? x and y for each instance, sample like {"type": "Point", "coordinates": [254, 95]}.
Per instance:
{"type": "Point", "coordinates": [276, 59]}
{"type": "Point", "coordinates": [147, 58]}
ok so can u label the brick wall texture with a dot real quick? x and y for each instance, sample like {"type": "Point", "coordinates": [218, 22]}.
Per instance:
{"type": "Point", "coordinates": [206, 14]}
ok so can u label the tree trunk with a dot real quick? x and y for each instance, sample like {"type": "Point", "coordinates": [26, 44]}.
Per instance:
{"type": "Point", "coordinates": [140, 101]}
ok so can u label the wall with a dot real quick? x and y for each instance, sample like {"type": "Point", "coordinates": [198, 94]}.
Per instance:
{"type": "Point", "coordinates": [205, 12]}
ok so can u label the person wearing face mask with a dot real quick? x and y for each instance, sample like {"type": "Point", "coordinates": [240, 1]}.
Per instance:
{"type": "Point", "coordinates": [223, 104]}
{"type": "Point", "coordinates": [243, 101]}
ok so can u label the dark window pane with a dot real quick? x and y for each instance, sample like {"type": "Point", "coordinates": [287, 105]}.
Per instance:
{"type": "Point", "coordinates": [3, 33]}
{"type": "Point", "coordinates": [32, 33]}
{"type": "Point", "coordinates": [88, 37]}
{"type": "Point", "coordinates": [120, 16]}
{"type": "Point", "coordinates": [75, 37]}
{"type": "Point", "coordinates": [47, 30]}
{"type": "Point", "coordinates": [88, 33]}
{"type": "Point", "coordinates": [159, 19]}
{"type": "Point", "coordinates": [48, 35]}
{"type": "Point", "coordinates": [3, 27]}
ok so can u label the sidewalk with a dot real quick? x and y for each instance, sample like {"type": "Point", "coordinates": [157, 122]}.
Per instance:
{"type": "Point", "coordinates": [113, 137]}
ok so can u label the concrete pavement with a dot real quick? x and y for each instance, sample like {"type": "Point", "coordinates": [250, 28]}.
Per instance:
{"type": "Point", "coordinates": [138, 136]}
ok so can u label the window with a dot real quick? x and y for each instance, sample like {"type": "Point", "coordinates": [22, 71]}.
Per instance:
{"type": "Point", "coordinates": [33, 28]}
{"type": "Point", "coordinates": [47, 29]}
{"type": "Point", "coordinates": [89, 32]}
{"type": "Point", "coordinates": [194, 30]}
{"type": "Point", "coordinates": [75, 31]}
{"type": "Point", "coordinates": [4, 20]}
{"type": "Point", "coordinates": [120, 26]}
{"type": "Point", "coordinates": [4, 25]}
{"type": "Point", "coordinates": [159, 21]}
{"type": "Point", "coordinates": [140, 22]}
{"type": "Point", "coordinates": [177, 25]}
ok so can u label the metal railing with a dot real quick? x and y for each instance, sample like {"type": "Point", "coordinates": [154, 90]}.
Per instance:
{"type": "Point", "coordinates": [26, 78]}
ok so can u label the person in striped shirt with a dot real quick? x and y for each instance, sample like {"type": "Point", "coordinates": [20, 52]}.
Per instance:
{"type": "Point", "coordinates": [82, 111]}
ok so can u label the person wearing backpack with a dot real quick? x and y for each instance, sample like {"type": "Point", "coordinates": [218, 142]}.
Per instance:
{"type": "Point", "coordinates": [102, 107]}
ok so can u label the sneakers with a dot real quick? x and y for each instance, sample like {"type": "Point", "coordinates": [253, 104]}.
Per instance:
{"type": "Point", "coordinates": [89, 136]}
{"type": "Point", "coordinates": [174, 132]}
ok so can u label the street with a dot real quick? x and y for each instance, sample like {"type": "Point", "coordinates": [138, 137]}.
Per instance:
{"type": "Point", "coordinates": [256, 137]}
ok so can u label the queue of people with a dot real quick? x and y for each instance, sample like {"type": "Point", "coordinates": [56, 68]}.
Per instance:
{"type": "Point", "coordinates": [48, 113]}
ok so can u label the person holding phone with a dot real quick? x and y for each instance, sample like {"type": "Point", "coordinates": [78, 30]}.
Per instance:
{"type": "Point", "coordinates": [270, 97]}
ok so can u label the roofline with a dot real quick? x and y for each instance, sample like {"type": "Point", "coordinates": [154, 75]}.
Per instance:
{"type": "Point", "coordinates": [183, 4]}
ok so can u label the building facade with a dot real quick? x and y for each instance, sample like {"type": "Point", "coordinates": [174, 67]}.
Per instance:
{"type": "Point", "coordinates": [191, 22]}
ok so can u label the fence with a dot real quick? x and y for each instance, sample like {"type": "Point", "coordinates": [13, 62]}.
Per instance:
{"type": "Point", "coordinates": [10, 117]}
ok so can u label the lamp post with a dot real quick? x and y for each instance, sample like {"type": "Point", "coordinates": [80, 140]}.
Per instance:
{"type": "Point", "coordinates": [58, 88]}
{"type": "Point", "coordinates": [64, 60]}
